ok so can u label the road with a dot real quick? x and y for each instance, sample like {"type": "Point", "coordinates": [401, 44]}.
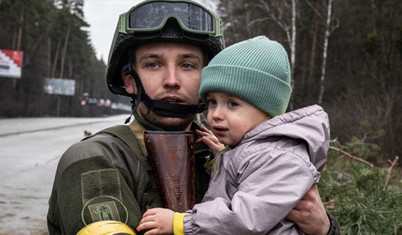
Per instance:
{"type": "Point", "coordinates": [29, 152]}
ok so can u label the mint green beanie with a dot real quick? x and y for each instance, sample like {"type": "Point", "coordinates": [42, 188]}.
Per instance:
{"type": "Point", "coordinates": [256, 70]}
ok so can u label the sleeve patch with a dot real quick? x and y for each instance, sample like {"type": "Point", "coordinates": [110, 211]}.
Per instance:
{"type": "Point", "coordinates": [101, 196]}
{"type": "Point", "coordinates": [100, 182]}
{"type": "Point", "coordinates": [104, 208]}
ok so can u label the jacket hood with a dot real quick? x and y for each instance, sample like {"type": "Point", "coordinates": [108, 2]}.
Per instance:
{"type": "Point", "coordinates": [309, 124]}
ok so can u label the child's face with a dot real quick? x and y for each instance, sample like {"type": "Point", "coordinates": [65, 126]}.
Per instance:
{"type": "Point", "coordinates": [230, 117]}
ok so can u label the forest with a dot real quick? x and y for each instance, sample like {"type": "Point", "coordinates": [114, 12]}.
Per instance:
{"type": "Point", "coordinates": [345, 55]}
{"type": "Point", "coordinates": [55, 44]}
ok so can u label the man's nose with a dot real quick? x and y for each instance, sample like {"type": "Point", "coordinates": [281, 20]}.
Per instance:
{"type": "Point", "coordinates": [171, 79]}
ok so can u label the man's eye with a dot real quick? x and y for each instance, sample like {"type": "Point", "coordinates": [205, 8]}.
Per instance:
{"type": "Point", "coordinates": [187, 66]}
{"type": "Point", "coordinates": [152, 65]}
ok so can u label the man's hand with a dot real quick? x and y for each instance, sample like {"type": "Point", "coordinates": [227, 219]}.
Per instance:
{"type": "Point", "coordinates": [310, 215]}
{"type": "Point", "coordinates": [157, 221]}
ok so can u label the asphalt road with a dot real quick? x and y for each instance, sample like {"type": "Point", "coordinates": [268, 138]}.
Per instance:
{"type": "Point", "coordinates": [29, 152]}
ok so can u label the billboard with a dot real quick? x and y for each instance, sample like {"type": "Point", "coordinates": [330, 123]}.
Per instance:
{"type": "Point", "coordinates": [58, 86]}
{"type": "Point", "coordinates": [10, 63]}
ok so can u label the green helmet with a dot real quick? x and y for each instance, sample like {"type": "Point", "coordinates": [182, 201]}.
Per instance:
{"type": "Point", "coordinates": [167, 20]}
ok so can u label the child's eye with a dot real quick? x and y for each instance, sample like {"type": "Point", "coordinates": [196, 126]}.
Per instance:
{"type": "Point", "coordinates": [232, 104]}
{"type": "Point", "coordinates": [211, 102]}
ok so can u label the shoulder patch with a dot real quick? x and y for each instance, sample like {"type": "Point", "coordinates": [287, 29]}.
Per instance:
{"type": "Point", "coordinates": [104, 208]}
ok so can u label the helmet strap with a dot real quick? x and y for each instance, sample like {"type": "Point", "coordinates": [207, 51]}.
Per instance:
{"type": "Point", "coordinates": [160, 107]}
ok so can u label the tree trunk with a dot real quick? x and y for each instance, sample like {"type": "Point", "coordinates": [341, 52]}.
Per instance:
{"type": "Point", "coordinates": [49, 50]}
{"type": "Point", "coordinates": [55, 59]}
{"type": "Point", "coordinates": [63, 57]}
{"type": "Point", "coordinates": [313, 49]}
{"type": "Point", "coordinates": [324, 54]}
{"type": "Point", "coordinates": [293, 50]}
{"type": "Point", "coordinates": [70, 68]}
{"type": "Point", "coordinates": [19, 39]}
{"type": "Point", "coordinates": [20, 31]}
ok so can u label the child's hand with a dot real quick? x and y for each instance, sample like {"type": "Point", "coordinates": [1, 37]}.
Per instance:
{"type": "Point", "coordinates": [209, 139]}
{"type": "Point", "coordinates": [157, 221]}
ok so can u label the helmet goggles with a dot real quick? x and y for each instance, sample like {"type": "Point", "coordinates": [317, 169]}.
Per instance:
{"type": "Point", "coordinates": [147, 19]}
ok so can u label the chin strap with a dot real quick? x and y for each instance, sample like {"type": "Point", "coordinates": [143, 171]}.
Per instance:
{"type": "Point", "coordinates": [160, 107]}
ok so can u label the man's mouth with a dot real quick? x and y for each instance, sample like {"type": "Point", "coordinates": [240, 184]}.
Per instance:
{"type": "Point", "coordinates": [171, 100]}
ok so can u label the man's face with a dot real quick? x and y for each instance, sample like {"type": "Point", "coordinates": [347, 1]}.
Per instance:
{"type": "Point", "coordinates": [171, 72]}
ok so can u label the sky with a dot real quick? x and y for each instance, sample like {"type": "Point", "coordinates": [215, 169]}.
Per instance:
{"type": "Point", "coordinates": [102, 16]}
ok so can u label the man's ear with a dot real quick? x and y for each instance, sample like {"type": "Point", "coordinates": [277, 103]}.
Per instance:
{"type": "Point", "coordinates": [129, 83]}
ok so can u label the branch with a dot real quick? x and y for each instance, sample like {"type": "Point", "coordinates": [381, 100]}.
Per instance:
{"type": "Point", "coordinates": [314, 9]}
{"type": "Point", "coordinates": [393, 163]}
{"type": "Point", "coordinates": [329, 204]}
{"type": "Point", "coordinates": [335, 26]}
{"type": "Point", "coordinates": [257, 21]}
{"type": "Point", "coordinates": [351, 156]}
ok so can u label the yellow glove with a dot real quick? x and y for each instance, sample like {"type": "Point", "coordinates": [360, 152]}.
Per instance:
{"type": "Point", "coordinates": [106, 227]}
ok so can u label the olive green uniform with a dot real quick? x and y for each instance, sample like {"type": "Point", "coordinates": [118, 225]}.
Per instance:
{"type": "Point", "coordinates": [108, 177]}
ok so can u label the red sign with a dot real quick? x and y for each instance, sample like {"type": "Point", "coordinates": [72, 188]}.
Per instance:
{"type": "Point", "coordinates": [10, 63]}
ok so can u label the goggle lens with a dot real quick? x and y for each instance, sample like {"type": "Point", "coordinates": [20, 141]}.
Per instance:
{"type": "Point", "coordinates": [154, 14]}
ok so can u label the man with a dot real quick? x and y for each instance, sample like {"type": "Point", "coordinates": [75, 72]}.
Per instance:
{"type": "Point", "coordinates": [157, 55]}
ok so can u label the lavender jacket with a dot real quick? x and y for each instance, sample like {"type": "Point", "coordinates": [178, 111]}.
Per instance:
{"type": "Point", "coordinates": [256, 184]}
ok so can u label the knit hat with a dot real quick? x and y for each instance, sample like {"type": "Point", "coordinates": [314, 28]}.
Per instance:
{"type": "Point", "coordinates": [256, 70]}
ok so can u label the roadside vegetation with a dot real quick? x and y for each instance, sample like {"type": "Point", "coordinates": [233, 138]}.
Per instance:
{"type": "Point", "coordinates": [364, 198]}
